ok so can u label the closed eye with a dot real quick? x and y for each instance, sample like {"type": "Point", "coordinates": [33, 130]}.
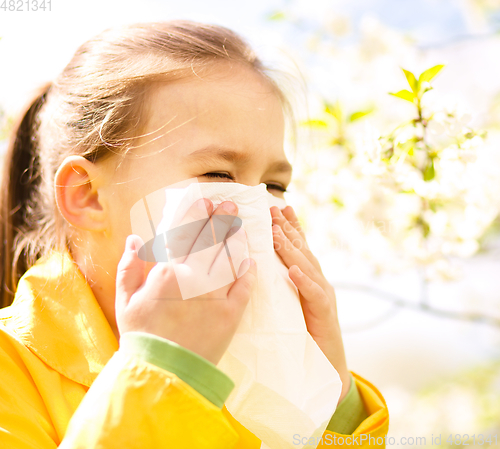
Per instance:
{"type": "Point", "coordinates": [220, 175]}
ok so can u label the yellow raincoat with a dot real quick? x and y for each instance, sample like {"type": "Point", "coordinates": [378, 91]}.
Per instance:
{"type": "Point", "coordinates": [64, 381]}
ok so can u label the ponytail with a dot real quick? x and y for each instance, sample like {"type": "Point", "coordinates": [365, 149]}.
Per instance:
{"type": "Point", "coordinates": [20, 179]}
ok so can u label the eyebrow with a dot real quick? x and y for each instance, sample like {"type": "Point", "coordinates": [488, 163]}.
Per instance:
{"type": "Point", "coordinates": [216, 153]}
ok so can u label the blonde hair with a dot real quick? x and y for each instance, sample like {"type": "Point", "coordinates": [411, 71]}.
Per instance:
{"type": "Point", "coordinates": [94, 109]}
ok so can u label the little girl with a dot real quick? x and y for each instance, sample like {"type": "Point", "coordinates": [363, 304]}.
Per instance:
{"type": "Point", "coordinates": [88, 359]}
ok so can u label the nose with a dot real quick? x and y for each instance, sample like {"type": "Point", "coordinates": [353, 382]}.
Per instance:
{"type": "Point", "coordinates": [250, 180]}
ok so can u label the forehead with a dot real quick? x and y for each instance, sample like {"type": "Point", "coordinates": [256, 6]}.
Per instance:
{"type": "Point", "coordinates": [234, 107]}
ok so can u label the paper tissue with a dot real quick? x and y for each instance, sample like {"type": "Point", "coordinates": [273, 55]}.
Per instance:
{"type": "Point", "coordinates": [285, 386]}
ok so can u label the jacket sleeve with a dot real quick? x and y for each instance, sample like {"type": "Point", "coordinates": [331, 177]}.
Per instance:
{"type": "Point", "coordinates": [350, 413]}
{"type": "Point", "coordinates": [133, 402]}
{"type": "Point", "coordinates": [370, 432]}
{"type": "Point", "coordinates": [141, 400]}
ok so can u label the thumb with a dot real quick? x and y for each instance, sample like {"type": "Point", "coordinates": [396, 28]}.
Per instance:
{"type": "Point", "coordinates": [130, 271]}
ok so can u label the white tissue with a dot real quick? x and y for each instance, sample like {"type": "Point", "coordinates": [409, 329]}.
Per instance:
{"type": "Point", "coordinates": [285, 386]}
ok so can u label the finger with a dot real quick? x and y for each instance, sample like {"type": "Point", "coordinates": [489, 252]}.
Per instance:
{"type": "Point", "coordinates": [295, 237]}
{"type": "Point", "coordinates": [216, 228]}
{"type": "Point", "coordinates": [291, 216]}
{"type": "Point", "coordinates": [130, 271]}
{"type": "Point", "coordinates": [223, 271]}
{"type": "Point", "coordinates": [181, 238]}
{"type": "Point", "coordinates": [292, 255]}
{"type": "Point", "coordinates": [201, 209]}
{"type": "Point", "coordinates": [290, 231]}
{"type": "Point", "coordinates": [162, 283]}
{"type": "Point", "coordinates": [247, 276]}
{"type": "Point", "coordinates": [234, 250]}
{"type": "Point", "coordinates": [315, 301]}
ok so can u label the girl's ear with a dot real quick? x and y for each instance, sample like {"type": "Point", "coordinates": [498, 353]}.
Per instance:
{"type": "Point", "coordinates": [76, 185]}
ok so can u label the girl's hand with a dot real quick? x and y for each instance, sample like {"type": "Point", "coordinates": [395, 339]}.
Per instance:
{"type": "Point", "coordinates": [152, 302]}
{"type": "Point", "coordinates": [317, 296]}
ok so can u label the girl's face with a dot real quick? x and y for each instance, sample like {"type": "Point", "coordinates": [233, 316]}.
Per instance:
{"type": "Point", "coordinates": [227, 127]}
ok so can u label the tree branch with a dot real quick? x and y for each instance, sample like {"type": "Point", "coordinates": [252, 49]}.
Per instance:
{"type": "Point", "coordinates": [421, 306]}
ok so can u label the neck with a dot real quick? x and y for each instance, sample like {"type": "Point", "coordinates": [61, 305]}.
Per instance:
{"type": "Point", "coordinates": [101, 276]}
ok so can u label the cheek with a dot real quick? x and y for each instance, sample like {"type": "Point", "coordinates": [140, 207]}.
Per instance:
{"type": "Point", "coordinates": [125, 201]}
{"type": "Point", "coordinates": [120, 229]}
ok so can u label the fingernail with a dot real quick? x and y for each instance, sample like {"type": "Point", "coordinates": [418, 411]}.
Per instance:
{"type": "Point", "coordinates": [298, 270]}
{"type": "Point", "coordinates": [229, 206]}
{"type": "Point", "coordinates": [200, 204]}
{"type": "Point", "coordinates": [130, 244]}
{"type": "Point", "coordinates": [205, 205]}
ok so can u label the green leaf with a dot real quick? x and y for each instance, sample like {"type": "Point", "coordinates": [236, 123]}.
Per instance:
{"type": "Point", "coordinates": [426, 229]}
{"type": "Point", "coordinates": [429, 172]}
{"type": "Point", "coordinates": [277, 15]}
{"type": "Point", "coordinates": [337, 201]}
{"type": "Point", "coordinates": [412, 81]}
{"type": "Point", "coordinates": [405, 95]}
{"type": "Point", "coordinates": [429, 74]}
{"type": "Point", "coordinates": [314, 123]}
{"type": "Point", "coordinates": [360, 114]}
{"type": "Point", "coordinates": [335, 110]}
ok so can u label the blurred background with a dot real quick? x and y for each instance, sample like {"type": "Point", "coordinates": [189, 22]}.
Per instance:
{"type": "Point", "coordinates": [399, 194]}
